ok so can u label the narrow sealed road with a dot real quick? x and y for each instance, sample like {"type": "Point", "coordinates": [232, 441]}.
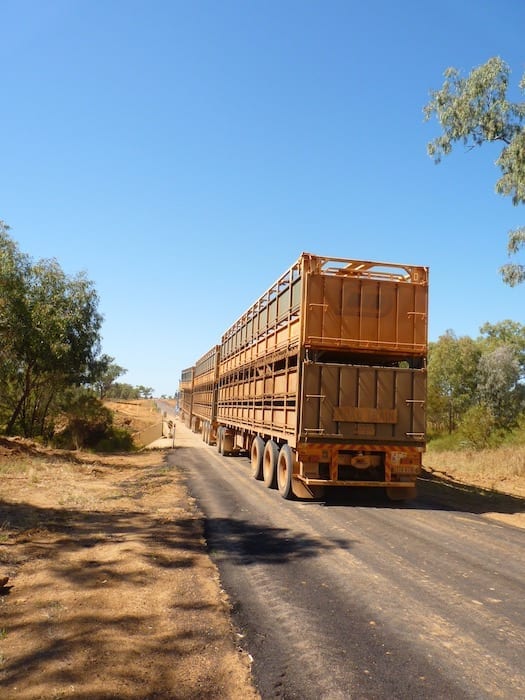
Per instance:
{"type": "Point", "coordinates": [362, 600]}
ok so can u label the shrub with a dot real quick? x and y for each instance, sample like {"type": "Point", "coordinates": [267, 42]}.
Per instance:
{"type": "Point", "coordinates": [477, 428]}
{"type": "Point", "coordinates": [87, 422]}
{"type": "Point", "coordinates": [116, 440]}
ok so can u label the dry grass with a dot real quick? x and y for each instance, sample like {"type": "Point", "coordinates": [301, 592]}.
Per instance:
{"type": "Point", "coordinates": [134, 415]}
{"type": "Point", "coordinates": [110, 591]}
{"type": "Point", "coordinates": [502, 469]}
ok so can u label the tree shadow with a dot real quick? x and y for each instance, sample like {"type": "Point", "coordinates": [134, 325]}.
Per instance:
{"type": "Point", "coordinates": [77, 551]}
{"type": "Point", "coordinates": [245, 543]}
{"type": "Point", "coordinates": [443, 492]}
{"type": "Point", "coordinates": [58, 619]}
{"type": "Point", "coordinates": [434, 492]}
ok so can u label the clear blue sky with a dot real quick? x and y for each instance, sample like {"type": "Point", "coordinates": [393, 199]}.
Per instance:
{"type": "Point", "coordinates": [183, 154]}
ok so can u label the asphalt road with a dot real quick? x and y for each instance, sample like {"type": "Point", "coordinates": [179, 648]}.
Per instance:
{"type": "Point", "coordinates": [362, 598]}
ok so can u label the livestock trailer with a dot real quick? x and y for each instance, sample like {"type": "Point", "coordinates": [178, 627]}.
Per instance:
{"type": "Point", "coordinates": [322, 381]}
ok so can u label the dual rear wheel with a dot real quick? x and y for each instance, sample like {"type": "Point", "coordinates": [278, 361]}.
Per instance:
{"type": "Point", "coordinates": [225, 443]}
{"type": "Point", "coordinates": [269, 464]}
{"type": "Point", "coordinates": [272, 465]}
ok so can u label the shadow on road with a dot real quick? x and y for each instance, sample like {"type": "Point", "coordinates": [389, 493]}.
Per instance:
{"type": "Point", "coordinates": [444, 492]}
{"type": "Point", "coordinates": [434, 493]}
{"type": "Point", "coordinates": [245, 543]}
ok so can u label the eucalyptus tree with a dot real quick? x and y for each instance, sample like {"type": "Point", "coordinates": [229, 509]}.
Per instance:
{"type": "Point", "coordinates": [120, 390]}
{"type": "Point", "coordinates": [49, 335]}
{"type": "Point", "coordinates": [108, 372]}
{"type": "Point", "coordinates": [499, 387]}
{"type": "Point", "coordinates": [452, 379]}
{"type": "Point", "coordinates": [505, 333]}
{"type": "Point", "coordinates": [473, 111]}
{"type": "Point", "coordinates": [14, 322]}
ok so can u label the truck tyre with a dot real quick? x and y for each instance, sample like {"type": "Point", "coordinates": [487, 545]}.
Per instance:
{"type": "Point", "coordinates": [227, 442]}
{"type": "Point", "coordinates": [219, 439]}
{"type": "Point", "coordinates": [205, 431]}
{"type": "Point", "coordinates": [257, 453]}
{"type": "Point", "coordinates": [223, 437]}
{"type": "Point", "coordinates": [271, 453]}
{"type": "Point", "coordinates": [285, 472]}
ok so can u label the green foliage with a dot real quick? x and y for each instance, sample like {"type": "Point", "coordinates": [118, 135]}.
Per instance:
{"type": "Point", "coordinates": [513, 273]}
{"type": "Point", "coordinates": [476, 380]}
{"type": "Point", "coordinates": [14, 271]}
{"type": "Point", "coordinates": [88, 421]}
{"type": "Point", "coordinates": [476, 429]}
{"type": "Point", "coordinates": [452, 373]}
{"type": "Point", "coordinates": [116, 440]}
{"type": "Point", "coordinates": [473, 111]}
{"type": "Point", "coordinates": [50, 349]}
{"type": "Point", "coordinates": [49, 338]}
{"type": "Point", "coordinates": [499, 388]}
{"type": "Point", "coordinates": [108, 371]}
{"type": "Point", "coordinates": [517, 436]}
{"type": "Point", "coordinates": [508, 333]}
{"type": "Point", "coordinates": [461, 440]}
{"type": "Point", "coordinates": [125, 392]}
{"type": "Point", "coordinates": [445, 442]}
{"type": "Point", "coordinates": [145, 392]}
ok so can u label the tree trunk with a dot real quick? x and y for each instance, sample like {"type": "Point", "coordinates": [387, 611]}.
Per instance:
{"type": "Point", "coordinates": [20, 404]}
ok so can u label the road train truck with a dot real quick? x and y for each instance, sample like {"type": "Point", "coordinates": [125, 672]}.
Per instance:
{"type": "Point", "coordinates": [322, 381]}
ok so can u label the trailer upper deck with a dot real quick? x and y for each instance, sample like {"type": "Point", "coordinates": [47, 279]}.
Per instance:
{"type": "Point", "coordinates": [334, 304]}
